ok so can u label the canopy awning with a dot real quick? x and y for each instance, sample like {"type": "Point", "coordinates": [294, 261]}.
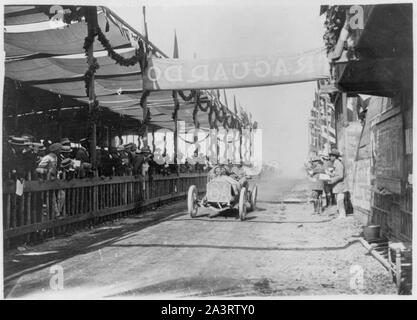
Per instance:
{"type": "Point", "coordinates": [50, 56]}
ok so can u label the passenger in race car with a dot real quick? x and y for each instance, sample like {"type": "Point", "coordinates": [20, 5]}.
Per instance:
{"type": "Point", "coordinates": [236, 176]}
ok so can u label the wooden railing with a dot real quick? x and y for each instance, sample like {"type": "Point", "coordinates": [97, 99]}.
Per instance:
{"type": "Point", "coordinates": [51, 206]}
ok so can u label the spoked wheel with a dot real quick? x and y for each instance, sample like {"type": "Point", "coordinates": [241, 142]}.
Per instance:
{"type": "Point", "coordinates": [242, 204]}
{"type": "Point", "coordinates": [192, 201]}
{"type": "Point", "coordinates": [254, 197]}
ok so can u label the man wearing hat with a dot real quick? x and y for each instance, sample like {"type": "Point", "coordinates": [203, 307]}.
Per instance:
{"type": "Point", "coordinates": [116, 161]}
{"type": "Point", "coordinates": [338, 182]}
{"type": "Point", "coordinates": [82, 152]}
{"type": "Point", "coordinates": [316, 168]}
{"type": "Point", "coordinates": [66, 169]}
{"type": "Point", "coordinates": [83, 157]}
{"type": "Point", "coordinates": [329, 170]}
{"type": "Point", "coordinates": [140, 161]}
{"type": "Point", "coordinates": [66, 152]}
{"type": "Point", "coordinates": [19, 158]}
{"type": "Point", "coordinates": [65, 142]}
{"type": "Point", "coordinates": [48, 166]}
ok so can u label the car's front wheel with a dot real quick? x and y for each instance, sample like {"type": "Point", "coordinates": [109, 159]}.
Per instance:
{"type": "Point", "coordinates": [254, 197]}
{"type": "Point", "coordinates": [192, 201]}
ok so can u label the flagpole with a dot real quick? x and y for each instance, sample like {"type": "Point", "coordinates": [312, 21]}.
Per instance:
{"type": "Point", "coordinates": [227, 128]}
{"type": "Point", "coordinates": [144, 98]}
{"type": "Point", "coordinates": [225, 98]}
{"type": "Point", "coordinates": [240, 138]}
{"type": "Point", "coordinates": [176, 108]}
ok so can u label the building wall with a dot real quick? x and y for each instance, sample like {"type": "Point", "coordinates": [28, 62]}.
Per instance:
{"type": "Point", "coordinates": [391, 198]}
{"type": "Point", "coordinates": [362, 190]}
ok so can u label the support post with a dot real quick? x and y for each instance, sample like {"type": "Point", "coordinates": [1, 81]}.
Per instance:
{"type": "Point", "coordinates": [91, 25]}
{"type": "Point", "coordinates": [345, 123]}
{"type": "Point", "coordinates": [327, 123]}
{"type": "Point", "coordinates": [145, 94]}
{"type": "Point", "coordinates": [240, 145]}
{"type": "Point", "coordinates": [175, 118]}
{"type": "Point", "coordinates": [153, 140]}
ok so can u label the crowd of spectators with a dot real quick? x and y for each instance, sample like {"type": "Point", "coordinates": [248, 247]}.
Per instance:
{"type": "Point", "coordinates": [26, 159]}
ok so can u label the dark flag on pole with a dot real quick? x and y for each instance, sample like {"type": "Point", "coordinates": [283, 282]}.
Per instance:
{"type": "Point", "coordinates": [234, 105]}
{"type": "Point", "coordinates": [176, 54]}
{"type": "Point", "coordinates": [225, 97]}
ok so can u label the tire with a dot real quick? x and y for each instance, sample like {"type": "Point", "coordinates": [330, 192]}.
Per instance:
{"type": "Point", "coordinates": [192, 201]}
{"type": "Point", "coordinates": [254, 197]}
{"type": "Point", "coordinates": [242, 204]}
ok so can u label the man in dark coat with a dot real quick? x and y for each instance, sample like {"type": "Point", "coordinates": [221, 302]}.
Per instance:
{"type": "Point", "coordinates": [83, 156]}
{"type": "Point", "coordinates": [19, 158]}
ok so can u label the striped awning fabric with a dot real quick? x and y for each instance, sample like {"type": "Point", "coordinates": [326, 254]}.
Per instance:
{"type": "Point", "coordinates": [49, 55]}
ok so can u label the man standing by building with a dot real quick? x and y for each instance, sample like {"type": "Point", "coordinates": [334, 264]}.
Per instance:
{"type": "Point", "coordinates": [327, 187]}
{"type": "Point", "coordinates": [315, 169]}
{"type": "Point", "coordinates": [338, 182]}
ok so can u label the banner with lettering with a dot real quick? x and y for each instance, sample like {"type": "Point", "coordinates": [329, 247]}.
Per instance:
{"type": "Point", "coordinates": [181, 74]}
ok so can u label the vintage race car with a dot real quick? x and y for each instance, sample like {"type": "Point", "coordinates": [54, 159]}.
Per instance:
{"type": "Point", "coordinates": [223, 194]}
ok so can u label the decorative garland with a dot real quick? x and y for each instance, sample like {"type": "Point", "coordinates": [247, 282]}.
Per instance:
{"type": "Point", "coordinates": [88, 75]}
{"type": "Point", "coordinates": [189, 97]}
{"type": "Point", "coordinates": [176, 105]}
{"type": "Point", "coordinates": [335, 19]}
{"type": "Point", "coordinates": [217, 111]}
{"type": "Point", "coordinates": [227, 123]}
{"type": "Point", "coordinates": [126, 62]}
{"type": "Point", "coordinates": [94, 113]}
{"type": "Point", "coordinates": [206, 108]}
{"type": "Point", "coordinates": [195, 111]}
{"type": "Point", "coordinates": [212, 123]}
{"type": "Point", "coordinates": [192, 142]}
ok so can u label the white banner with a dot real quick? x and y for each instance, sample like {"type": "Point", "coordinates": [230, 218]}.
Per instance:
{"type": "Point", "coordinates": [180, 74]}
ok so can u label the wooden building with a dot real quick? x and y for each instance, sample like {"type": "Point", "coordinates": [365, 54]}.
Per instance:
{"type": "Point", "coordinates": [372, 66]}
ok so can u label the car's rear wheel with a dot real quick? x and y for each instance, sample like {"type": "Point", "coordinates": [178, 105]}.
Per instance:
{"type": "Point", "coordinates": [192, 201]}
{"type": "Point", "coordinates": [254, 197]}
{"type": "Point", "coordinates": [242, 204]}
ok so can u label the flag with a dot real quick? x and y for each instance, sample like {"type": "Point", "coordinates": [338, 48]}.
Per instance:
{"type": "Point", "coordinates": [234, 105]}
{"type": "Point", "coordinates": [176, 53]}
{"type": "Point", "coordinates": [225, 98]}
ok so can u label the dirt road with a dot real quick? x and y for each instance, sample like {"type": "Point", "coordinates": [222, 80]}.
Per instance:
{"type": "Point", "coordinates": [281, 249]}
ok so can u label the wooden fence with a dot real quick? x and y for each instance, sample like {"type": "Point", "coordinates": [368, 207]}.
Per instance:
{"type": "Point", "coordinates": [53, 207]}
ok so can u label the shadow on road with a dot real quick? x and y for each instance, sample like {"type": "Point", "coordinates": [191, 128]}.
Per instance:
{"type": "Point", "coordinates": [96, 240]}
{"type": "Point", "coordinates": [206, 287]}
{"type": "Point", "coordinates": [160, 245]}
{"type": "Point", "coordinates": [250, 220]}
